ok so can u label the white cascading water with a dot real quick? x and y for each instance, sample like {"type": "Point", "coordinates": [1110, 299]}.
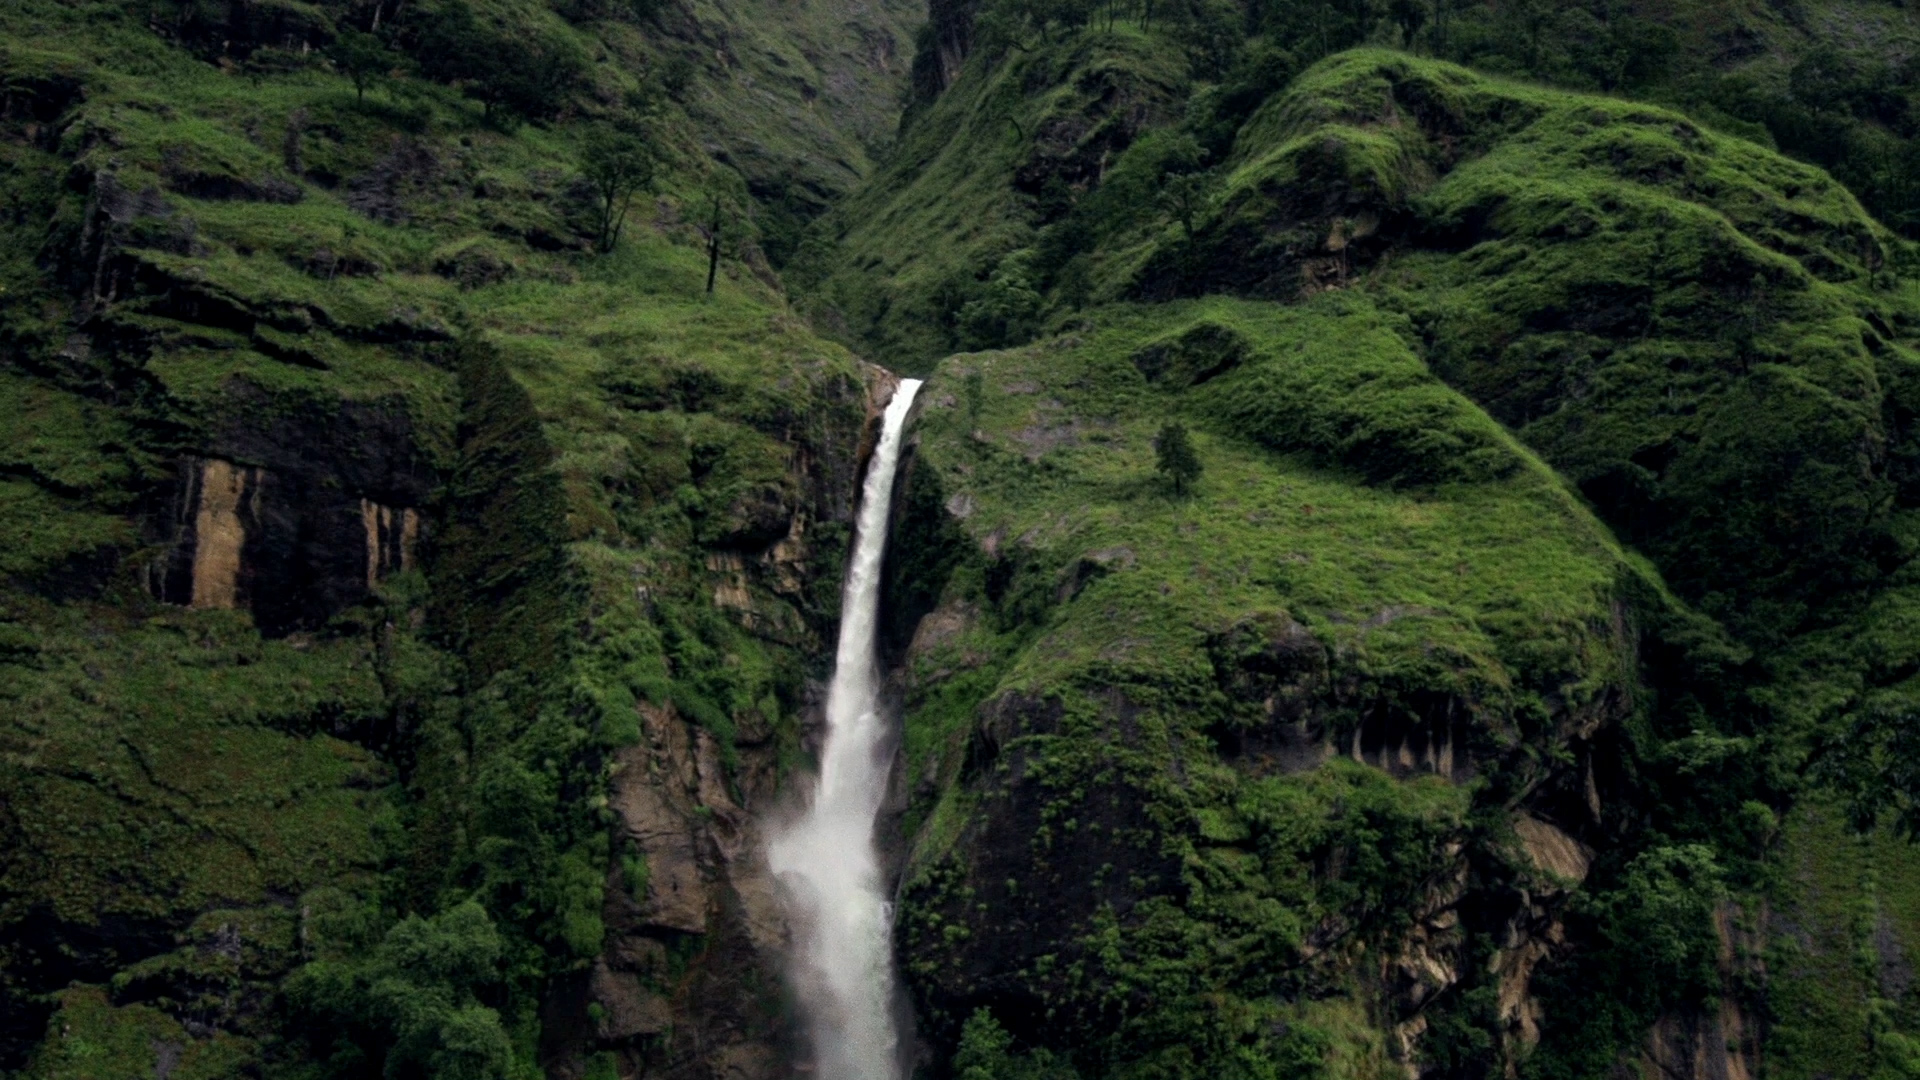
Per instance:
{"type": "Point", "coordinates": [841, 914]}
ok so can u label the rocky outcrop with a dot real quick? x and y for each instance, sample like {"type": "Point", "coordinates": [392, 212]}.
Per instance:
{"type": "Point", "coordinates": [945, 42]}
{"type": "Point", "coordinates": [218, 533]}
{"type": "Point", "coordinates": [1726, 1040]}
{"type": "Point", "coordinates": [690, 984]}
{"type": "Point", "coordinates": [240, 542]}
{"type": "Point", "coordinates": [1535, 929]}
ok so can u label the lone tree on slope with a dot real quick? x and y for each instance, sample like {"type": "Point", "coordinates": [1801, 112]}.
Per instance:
{"type": "Point", "coordinates": [1176, 457]}
{"type": "Point", "coordinates": [362, 58]}
{"type": "Point", "coordinates": [619, 164]}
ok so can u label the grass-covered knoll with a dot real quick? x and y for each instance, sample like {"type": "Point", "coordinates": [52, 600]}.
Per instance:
{"type": "Point", "coordinates": [1013, 175]}
{"type": "Point", "coordinates": [1139, 838]}
{"type": "Point", "coordinates": [1828, 83]}
{"type": "Point", "coordinates": [1705, 337]}
{"type": "Point", "coordinates": [1709, 339]}
{"type": "Point", "coordinates": [217, 248]}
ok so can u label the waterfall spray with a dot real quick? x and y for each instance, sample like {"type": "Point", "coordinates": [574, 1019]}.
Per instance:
{"type": "Point", "coordinates": [841, 915]}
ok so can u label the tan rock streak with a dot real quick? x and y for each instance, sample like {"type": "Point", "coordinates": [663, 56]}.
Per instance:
{"type": "Point", "coordinates": [218, 532]}
{"type": "Point", "coordinates": [391, 535]}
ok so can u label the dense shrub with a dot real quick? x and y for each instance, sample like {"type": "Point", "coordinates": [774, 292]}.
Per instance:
{"type": "Point", "coordinates": [412, 1008]}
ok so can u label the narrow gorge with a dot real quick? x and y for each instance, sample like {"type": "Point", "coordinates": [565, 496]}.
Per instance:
{"type": "Point", "coordinates": [1386, 544]}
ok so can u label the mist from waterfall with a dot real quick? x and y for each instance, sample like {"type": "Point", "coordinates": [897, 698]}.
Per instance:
{"type": "Point", "coordinates": [827, 860]}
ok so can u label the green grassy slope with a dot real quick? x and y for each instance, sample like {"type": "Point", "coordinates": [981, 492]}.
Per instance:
{"type": "Point", "coordinates": [236, 258]}
{"type": "Point", "coordinates": [1840, 988]}
{"type": "Point", "coordinates": [1827, 83]}
{"type": "Point", "coordinates": [935, 228]}
{"type": "Point", "coordinates": [803, 99]}
{"type": "Point", "coordinates": [1707, 345]}
{"type": "Point", "coordinates": [1556, 518]}
{"type": "Point", "coordinates": [1141, 678]}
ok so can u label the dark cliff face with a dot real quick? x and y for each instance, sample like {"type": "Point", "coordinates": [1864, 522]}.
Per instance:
{"type": "Point", "coordinates": [942, 47]}
{"type": "Point", "coordinates": [691, 981]}
{"type": "Point", "coordinates": [296, 518]}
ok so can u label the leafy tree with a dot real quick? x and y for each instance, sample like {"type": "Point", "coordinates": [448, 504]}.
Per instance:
{"type": "Point", "coordinates": [676, 74]}
{"type": "Point", "coordinates": [1625, 52]}
{"type": "Point", "coordinates": [1260, 69]}
{"type": "Point", "coordinates": [1005, 310]}
{"type": "Point", "coordinates": [531, 78]}
{"type": "Point", "coordinates": [1313, 28]}
{"type": "Point", "coordinates": [1875, 764]}
{"type": "Point", "coordinates": [982, 1054]}
{"type": "Point", "coordinates": [1182, 196]}
{"type": "Point", "coordinates": [1662, 921]}
{"type": "Point", "coordinates": [620, 164]}
{"type": "Point", "coordinates": [1008, 23]}
{"type": "Point", "coordinates": [1409, 16]}
{"type": "Point", "coordinates": [986, 1053]}
{"type": "Point", "coordinates": [362, 58]}
{"type": "Point", "coordinates": [1176, 458]}
{"type": "Point", "coordinates": [411, 1008]}
{"type": "Point", "coordinates": [515, 72]}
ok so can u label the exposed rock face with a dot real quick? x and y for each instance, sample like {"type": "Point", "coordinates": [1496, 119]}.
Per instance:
{"type": "Point", "coordinates": [945, 44]}
{"type": "Point", "coordinates": [1533, 932]}
{"type": "Point", "coordinates": [218, 533]}
{"type": "Point", "coordinates": [1724, 1042]}
{"type": "Point", "coordinates": [706, 888]}
{"type": "Point", "coordinates": [393, 538]}
{"type": "Point", "coordinates": [691, 983]}
{"type": "Point", "coordinates": [288, 545]}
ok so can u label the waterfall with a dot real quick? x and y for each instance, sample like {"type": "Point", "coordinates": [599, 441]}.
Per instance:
{"type": "Point", "coordinates": [840, 913]}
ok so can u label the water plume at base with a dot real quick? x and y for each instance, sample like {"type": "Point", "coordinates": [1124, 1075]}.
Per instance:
{"type": "Point", "coordinates": [827, 860]}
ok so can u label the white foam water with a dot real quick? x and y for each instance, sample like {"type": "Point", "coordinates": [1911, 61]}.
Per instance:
{"type": "Point", "coordinates": [842, 921]}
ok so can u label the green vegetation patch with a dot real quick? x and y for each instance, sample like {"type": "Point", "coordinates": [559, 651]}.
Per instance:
{"type": "Point", "coordinates": [1140, 708]}
{"type": "Point", "coordinates": [366, 265]}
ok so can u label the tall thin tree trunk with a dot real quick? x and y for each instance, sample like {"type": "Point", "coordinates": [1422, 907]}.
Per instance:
{"type": "Point", "coordinates": [620, 221]}
{"type": "Point", "coordinates": [713, 246]}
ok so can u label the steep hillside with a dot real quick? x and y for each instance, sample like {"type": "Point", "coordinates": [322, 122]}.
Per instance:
{"type": "Point", "coordinates": [1401, 568]}
{"type": "Point", "coordinates": [1127, 709]}
{"type": "Point", "coordinates": [1186, 764]}
{"type": "Point", "coordinates": [800, 99]}
{"type": "Point", "coordinates": [371, 536]}
{"type": "Point", "coordinates": [1025, 116]}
